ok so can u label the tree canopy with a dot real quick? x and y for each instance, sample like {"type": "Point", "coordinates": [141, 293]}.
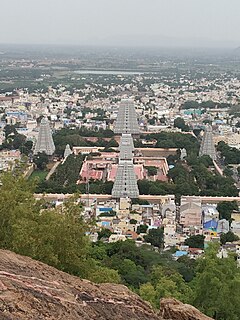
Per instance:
{"type": "Point", "coordinates": [180, 123]}
{"type": "Point", "coordinates": [56, 238]}
{"type": "Point", "coordinates": [41, 160]}
{"type": "Point", "coordinates": [225, 209]}
{"type": "Point", "coordinates": [217, 279]}
{"type": "Point", "coordinates": [195, 242]}
{"type": "Point", "coordinates": [228, 237]}
{"type": "Point", "coordinates": [229, 154]}
{"type": "Point", "coordinates": [155, 237]}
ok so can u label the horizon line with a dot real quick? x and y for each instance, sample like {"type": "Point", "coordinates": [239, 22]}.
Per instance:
{"type": "Point", "coordinates": [121, 46]}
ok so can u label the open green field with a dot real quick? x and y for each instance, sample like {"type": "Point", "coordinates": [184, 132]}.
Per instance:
{"type": "Point", "coordinates": [40, 174]}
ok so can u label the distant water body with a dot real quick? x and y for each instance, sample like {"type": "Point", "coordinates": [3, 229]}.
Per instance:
{"type": "Point", "coordinates": [110, 72]}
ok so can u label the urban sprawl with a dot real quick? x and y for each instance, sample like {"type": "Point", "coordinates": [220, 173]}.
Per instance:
{"type": "Point", "coordinates": [152, 158]}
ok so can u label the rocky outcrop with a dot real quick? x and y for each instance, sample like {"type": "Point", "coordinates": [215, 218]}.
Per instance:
{"type": "Point", "coordinates": [31, 290]}
{"type": "Point", "coordinates": [176, 310]}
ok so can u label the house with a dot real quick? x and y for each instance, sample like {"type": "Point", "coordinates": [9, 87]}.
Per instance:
{"type": "Point", "coordinates": [117, 237]}
{"type": "Point", "coordinates": [9, 158]}
{"type": "Point", "coordinates": [191, 212]}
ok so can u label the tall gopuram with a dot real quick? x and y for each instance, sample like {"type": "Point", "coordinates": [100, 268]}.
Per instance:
{"type": "Point", "coordinates": [207, 145]}
{"type": "Point", "coordinates": [127, 118]}
{"type": "Point", "coordinates": [126, 147]}
{"type": "Point", "coordinates": [125, 184]}
{"type": "Point", "coordinates": [44, 141]}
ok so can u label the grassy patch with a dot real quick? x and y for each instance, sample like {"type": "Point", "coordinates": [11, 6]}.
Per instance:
{"type": "Point", "coordinates": [41, 175]}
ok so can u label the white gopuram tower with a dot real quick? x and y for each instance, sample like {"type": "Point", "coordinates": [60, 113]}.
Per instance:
{"type": "Point", "coordinates": [127, 118]}
{"type": "Point", "coordinates": [44, 141]}
{"type": "Point", "coordinates": [125, 184]}
{"type": "Point", "coordinates": [207, 145]}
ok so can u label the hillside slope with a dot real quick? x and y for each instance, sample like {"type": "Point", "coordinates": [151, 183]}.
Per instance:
{"type": "Point", "coordinates": [32, 290]}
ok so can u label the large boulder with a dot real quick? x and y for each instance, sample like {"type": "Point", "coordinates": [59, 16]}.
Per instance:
{"type": "Point", "coordinates": [30, 289]}
{"type": "Point", "coordinates": [176, 310]}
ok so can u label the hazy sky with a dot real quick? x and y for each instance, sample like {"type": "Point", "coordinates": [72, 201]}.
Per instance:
{"type": "Point", "coordinates": [112, 22]}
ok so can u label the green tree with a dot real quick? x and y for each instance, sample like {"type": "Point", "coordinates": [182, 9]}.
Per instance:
{"type": "Point", "coordinates": [41, 160]}
{"type": "Point", "coordinates": [195, 241]}
{"type": "Point", "coordinates": [133, 221]}
{"type": "Point", "coordinates": [10, 129]}
{"type": "Point", "coordinates": [174, 140]}
{"type": "Point", "coordinates": [148, 293]}
{"type": "Point", "coordinates": [27, 147]}
{"type": "Point", "coordinates": [16, 201]}
{"type": "Point", "coordinates": [186, 267]}
{"type": "Point", "coordinates": [155, 237]}
{"type": "Point", "coordinates": [180, 123]}
{"type": "Point", "coordinates": [229, 154]}
{"type": "Point", "coordinates": [98, 251]}
{"type": "Point", "coordinates": [19, 141]}
{"type": "Point", "coordinates": [143, 186]}
{"type": "Point", "coordinates": [190, 105]}
{"type": "Point", "coordinates": [217, 279]}
{"type": "Point", "coordinates": [105, 275]}
{"type": "Point", "coordinates": [14, 141]}
{"type": "Point", "coordinates": [206, 160]}
{"type": "Point", "coordinates": [131, 273]}
{"type": "Point", "coordinates": [54, 236]}
{"type": "Point", "coordinates": [228, 172]}
{"type": "Point", "coordinates": [228, 237]}
{"type": "Point", "coordinates": [142, 228]}
{"type": "Point", "coordinates": [238, 170]}
{"type": "Point", "coordinates": [225, 209]}
{"type": "Point", "coordinates": [104, 233]}
{"type": "Point", "coordinates": [151, 170]}
{"type": "Point", "coordinates": [164, 284]}
{"type": "Point", "coordinates": [67, 173]}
